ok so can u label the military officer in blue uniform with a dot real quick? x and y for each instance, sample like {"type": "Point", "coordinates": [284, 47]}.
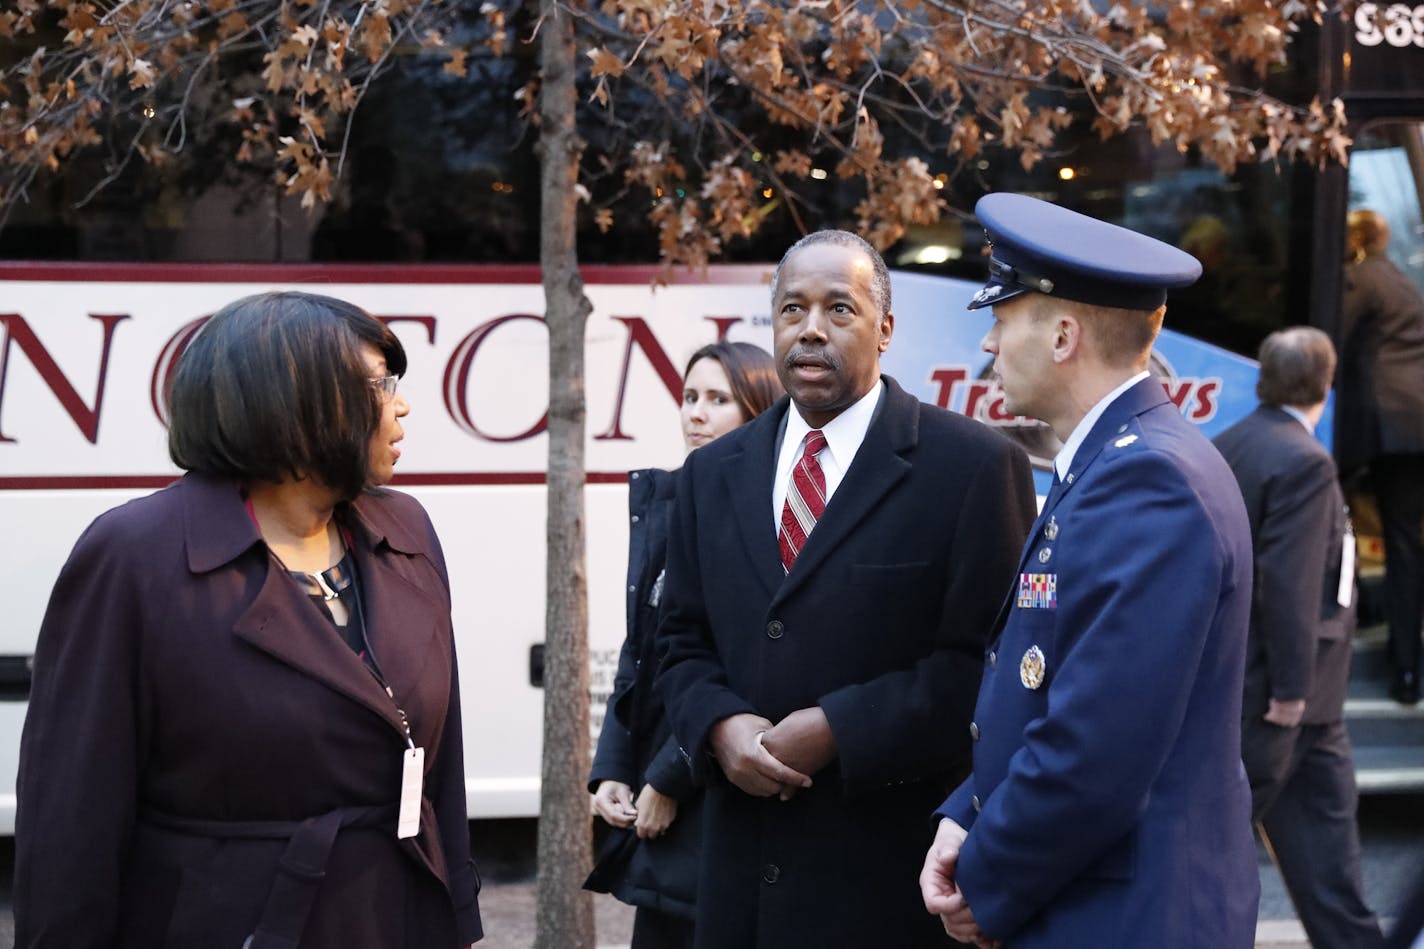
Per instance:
{"type": "Point", "coordinates": [1107, 805]}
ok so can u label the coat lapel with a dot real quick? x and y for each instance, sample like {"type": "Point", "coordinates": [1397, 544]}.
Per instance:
{"type": "Point", "coordinates": [755, 466]}
{"type": "Point", "coordinates": [1147, 394]}
{"type": "Point", "coordinates": [278, 623]}
{"type": "Point", "coordinates": [404, 629]}
{"type": "Point", "coordinates": [879, 465]}
{"type": "Point", "coordinates": [403, 618]}
{"type": "Point", "coordinates": [279, 620]}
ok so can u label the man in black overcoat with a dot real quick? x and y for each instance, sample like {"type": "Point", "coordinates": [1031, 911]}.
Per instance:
{"type": "Point", "coordinates": [1293, 739]}
{"type": "Point", "coordinates": [834, 568]}
{"type": "Point", "coordinates": [1379, 425]}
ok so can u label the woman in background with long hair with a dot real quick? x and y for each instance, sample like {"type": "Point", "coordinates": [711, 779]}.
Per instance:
{"type": "Point", "coordinates": [642, 787]}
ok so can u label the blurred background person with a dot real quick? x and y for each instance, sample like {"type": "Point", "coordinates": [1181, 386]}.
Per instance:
{"type": "Point", "coordinates": [236, 675]}
{"type": "Point", "coordinates": [1293, 739]}
{"type": "Point", "coordinates": [1379, 425]}
{"type": "Point", "coordinates": [1211, 299]}
{"type": "Point", "coordinates": [650, 858]}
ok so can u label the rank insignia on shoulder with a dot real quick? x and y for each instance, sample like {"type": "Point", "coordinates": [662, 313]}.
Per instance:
{"type": "Point", "coordinates": [1125, 440]}
{"type": "Point", "coordinates": [1037, 591]}
{"type": "Point", "coordinates": [1031, 668]}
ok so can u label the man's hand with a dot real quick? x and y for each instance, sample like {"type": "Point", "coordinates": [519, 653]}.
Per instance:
{"type": "Point", "coordinates": [1285, 714]}
{"type": "Point", "coordinates": [941, 894]}
{"type": "Point", "coordinates": [737, 745]}
{"type": "Point", "coordinates": [937, 884]}
{"type": "Point", "coordinates": [802, 740]}
{"type": "Point", "coordinates": [613, 801]}
{"type": "Point", "coordinates": [656, 812]}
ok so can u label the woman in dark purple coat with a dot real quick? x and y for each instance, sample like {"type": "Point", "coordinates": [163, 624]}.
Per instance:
{"type": "Point", "coordinates": [244, 731]}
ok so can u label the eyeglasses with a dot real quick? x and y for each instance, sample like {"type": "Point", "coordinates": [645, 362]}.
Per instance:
{"type": "Point", "coordinates": [386, 385]}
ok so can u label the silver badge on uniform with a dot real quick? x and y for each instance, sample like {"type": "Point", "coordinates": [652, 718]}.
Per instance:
{"type": "Point", "coordinates": [1050, 530]}
{"type": "Point", "coordinates": [1031, 668]}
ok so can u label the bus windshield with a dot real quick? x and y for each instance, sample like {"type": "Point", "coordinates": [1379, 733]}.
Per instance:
{"type": "Point", "coordinates": [1386, 171]}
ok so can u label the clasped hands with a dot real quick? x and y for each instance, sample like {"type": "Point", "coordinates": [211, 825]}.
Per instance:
{"type": "Point", "coordinates": [764, 758]}
{"type": "Point", "coordinates": [650, 816]}
{"type": "Point", "coordinates": [942, 895]}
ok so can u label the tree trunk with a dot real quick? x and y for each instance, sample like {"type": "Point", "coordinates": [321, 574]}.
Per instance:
{"type": "Point", "coordinates": [564, 909]}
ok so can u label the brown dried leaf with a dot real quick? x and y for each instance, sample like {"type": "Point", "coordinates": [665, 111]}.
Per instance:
{"type": "Point", "coordinates": [604, 63]}
{"type": "Point", "coordinates": [141, 74]}
{"type": "Point", "coordinates": [456, 65]}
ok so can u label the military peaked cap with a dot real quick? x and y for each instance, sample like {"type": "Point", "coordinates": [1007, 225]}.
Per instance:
{"type": "Point", "coordinates": [1037, 247]}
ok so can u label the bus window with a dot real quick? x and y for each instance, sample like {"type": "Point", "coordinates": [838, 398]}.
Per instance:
{"type": "Point", "coordinates": [1250, 229]}
{"type": "Point", "coordinates": [1386, 171]}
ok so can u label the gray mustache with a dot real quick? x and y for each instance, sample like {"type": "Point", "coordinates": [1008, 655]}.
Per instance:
{"type": "Point", "coordinates": [811, 357]}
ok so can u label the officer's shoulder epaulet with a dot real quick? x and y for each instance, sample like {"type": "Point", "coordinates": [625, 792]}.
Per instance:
{"type": "Point", "coordinates": [1129, 437]}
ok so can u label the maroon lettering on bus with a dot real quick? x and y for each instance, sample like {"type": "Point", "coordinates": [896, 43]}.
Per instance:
{"type": "Point", "coordinates": [641, 336]}
{"type": "Point", "coordinates": [162, 378]}
{"type": "Point", "coordinates": [985, 402]}
{"type": "Point", "coordinates": [723, 324]}
{"type": "Point", "coordinates": [17, 331]}
{"type": "Point", "coordinates": [977, 391]}
{"type": "Point", "coordinates": [945, 380]}
{"type": "Point", "coordinates": [1205, 409]}
{"type": "Point", "coordinates": [1194, 398]}
{"type": "Point", "coordinates": [1177, 391]}
{"type": "Point", "coordinates": [457, 376]}
{"type": "Point", "coordinates": [426, 321]}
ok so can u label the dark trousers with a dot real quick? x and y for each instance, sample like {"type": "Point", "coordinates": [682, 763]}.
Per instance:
{"type": "Point", "coordinates": [1398, 484]}
{"type": "Point", "coordinates": [1303, 795]}
{"type": "Point", "coordinates": [657, 930]}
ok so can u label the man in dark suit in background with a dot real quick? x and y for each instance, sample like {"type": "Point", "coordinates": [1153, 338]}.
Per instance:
{"type": "Point", "coordinates": [833, 570]}
{"type": "Point", "coordinates": [1108, 806]}
{"type": "Point", "coordinates": [1293, 741]}
{"type": "Point", "coordinates": [1379, 425]}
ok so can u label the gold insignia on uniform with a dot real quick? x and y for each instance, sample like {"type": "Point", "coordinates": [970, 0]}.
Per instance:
{"type": "Point", "coordinates": [1125, 440]}
{"type": "Point", "coordinates": [1031, 668]}
{"type": "Point", "coordinates": [1051, 529]}
{"type": "Point", "coordinates": [1044, 554]}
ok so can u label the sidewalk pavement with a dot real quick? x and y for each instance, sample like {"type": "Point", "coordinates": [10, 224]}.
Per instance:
{"type": "Point", "coordinates": [508, 909]}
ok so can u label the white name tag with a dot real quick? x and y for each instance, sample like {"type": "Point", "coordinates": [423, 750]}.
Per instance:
{"type": "Point", "coordinates": [412, 778]}
{"type": "Point", "coordinates": [1345, 594]}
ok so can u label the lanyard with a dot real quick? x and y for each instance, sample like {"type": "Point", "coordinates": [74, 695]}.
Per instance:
{"type": "Point", "coordinates": [332, 584]}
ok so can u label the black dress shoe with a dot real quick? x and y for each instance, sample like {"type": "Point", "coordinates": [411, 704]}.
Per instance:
{"type": "Point", "coordinates": [1405, 688]}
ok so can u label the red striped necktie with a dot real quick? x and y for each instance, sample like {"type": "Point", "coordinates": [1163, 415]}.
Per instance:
{"type": "Point", "coordinates": [805, 499]}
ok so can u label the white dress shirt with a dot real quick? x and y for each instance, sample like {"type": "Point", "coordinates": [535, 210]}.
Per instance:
{"type": "Point", "coordinates": [1299, 416]}
{"type": "Point", "coordinates": [1064, 462]}
{"type": "Point", "coordinates": [844, 433]}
